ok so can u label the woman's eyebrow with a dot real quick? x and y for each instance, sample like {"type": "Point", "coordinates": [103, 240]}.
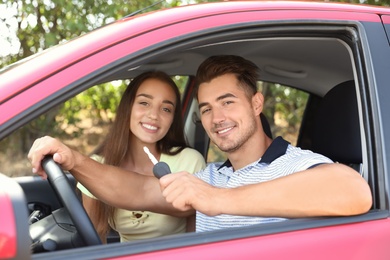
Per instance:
{"type": "Point", "coordinates": [151, 97]}
{"type": "Point", "coordinates": [169, 102]}
{"type": "Point", "coordinates": [145, 95]}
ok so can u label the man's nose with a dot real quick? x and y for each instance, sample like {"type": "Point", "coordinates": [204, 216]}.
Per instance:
{"type": "Point", "coordinates": [218, 116]}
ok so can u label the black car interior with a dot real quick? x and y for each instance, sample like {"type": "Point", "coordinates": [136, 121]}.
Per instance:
{"type": "Point", "coordinates": [336, 131]}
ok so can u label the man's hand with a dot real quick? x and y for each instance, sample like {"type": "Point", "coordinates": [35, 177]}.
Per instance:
{"type": "Point", "coordinates": [185, 191]}
{"type": "Point", "coordinates": [47, 145]}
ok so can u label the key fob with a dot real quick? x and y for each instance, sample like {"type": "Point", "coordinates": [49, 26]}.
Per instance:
{"type": "Point", "coordinates": [160, 169]}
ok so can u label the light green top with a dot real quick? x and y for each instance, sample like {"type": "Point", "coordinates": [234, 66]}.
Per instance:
{"type": "Point", "coordinates": [135, 225]}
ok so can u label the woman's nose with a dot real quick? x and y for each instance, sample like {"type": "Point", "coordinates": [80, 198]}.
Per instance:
{"type": "Point", "coordinates": [153, 113]}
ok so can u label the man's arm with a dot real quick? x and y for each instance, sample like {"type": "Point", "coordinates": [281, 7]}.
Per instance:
{"type": "Point", "coordinates": [112, 185]}
{"type": "Point", "coordinates": [326, 190]}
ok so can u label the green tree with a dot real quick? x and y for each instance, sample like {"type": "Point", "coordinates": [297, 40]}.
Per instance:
{"type": "Point", "coordinates": [284, 108]}
{"type": "Point", "coordinates": [45, 23]}
{"type": "Point", "coordinates": [368, 2]}
{"type": "Point", "coordinates": [30, 26]}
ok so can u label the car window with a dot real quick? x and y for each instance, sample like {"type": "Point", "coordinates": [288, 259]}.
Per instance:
{"type": "Point", "coordinates": [81, 122]}
{"type": "Point", "coordinates": [284, 108]}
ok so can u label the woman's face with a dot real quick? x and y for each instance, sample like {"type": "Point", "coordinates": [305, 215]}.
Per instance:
{"type": "Point", "coordinates": [153, 111]}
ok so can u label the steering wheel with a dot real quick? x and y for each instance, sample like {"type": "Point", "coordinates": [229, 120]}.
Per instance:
{"type": "Point", "coordinates": [70, 201]}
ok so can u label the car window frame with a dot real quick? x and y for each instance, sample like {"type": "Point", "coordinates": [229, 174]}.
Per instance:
{"type": "Point", "coordinates": [137, 58]}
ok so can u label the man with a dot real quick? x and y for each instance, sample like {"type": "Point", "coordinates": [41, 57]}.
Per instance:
{"type": "Point", "coordinates": [263, 180]}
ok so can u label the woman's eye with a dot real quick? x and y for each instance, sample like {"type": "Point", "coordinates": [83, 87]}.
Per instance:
{"type": "Point", "coordinates": [143, 103]}
{"type": "Point", "coordinates": [167, 110]}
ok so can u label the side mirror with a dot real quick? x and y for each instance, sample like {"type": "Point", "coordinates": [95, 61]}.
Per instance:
{"type": "Point", "coordinates": [14, 230]}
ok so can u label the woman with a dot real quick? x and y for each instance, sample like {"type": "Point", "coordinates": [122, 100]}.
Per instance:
{"type": "Point", "coordinates": [148, 115]}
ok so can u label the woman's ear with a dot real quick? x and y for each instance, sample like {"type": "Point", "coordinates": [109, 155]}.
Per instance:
{"type": "Point", "coordinates": [258, 103]}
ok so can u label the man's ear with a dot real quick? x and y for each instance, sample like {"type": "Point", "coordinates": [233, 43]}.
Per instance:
{"type": "Point", "coordinates": [258, 103]}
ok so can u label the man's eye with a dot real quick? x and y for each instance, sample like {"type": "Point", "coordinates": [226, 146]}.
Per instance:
{"type": "Point", "coordinates": [205, 111]}
{"type": "Point", "coordinates": [228, 102]}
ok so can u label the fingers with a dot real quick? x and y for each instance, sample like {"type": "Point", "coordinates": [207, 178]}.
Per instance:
{"type": "Point", "coordinates": [167, 179]}
{"type": "Point", "coordinates": [46, 146]}
{"type": "Point", "coordinates": [176, 188]}
{"type": "Point", "coordinates": [36, 157]}
{"type": "Point", "coordinates": [186, 191]}
{"type": "Point", "coordinates": [58, 158]}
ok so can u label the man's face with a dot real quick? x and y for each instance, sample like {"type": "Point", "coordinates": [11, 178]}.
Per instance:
{"type": "Point", "coordinates": [226, 113]}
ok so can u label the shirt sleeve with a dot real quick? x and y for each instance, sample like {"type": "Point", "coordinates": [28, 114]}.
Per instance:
{"type": "Point", "coordinates": [300, 160]}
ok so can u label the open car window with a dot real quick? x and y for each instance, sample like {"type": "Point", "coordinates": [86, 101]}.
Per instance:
{"type": "Point", "coordinates": [302, 63]}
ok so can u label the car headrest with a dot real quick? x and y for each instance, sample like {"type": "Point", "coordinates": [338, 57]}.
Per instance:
{"type": "Point", "coordinates": [336, 132]}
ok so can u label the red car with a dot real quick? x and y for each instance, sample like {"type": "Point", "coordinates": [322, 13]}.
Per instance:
{"type": "Point", "coordinates": [337, 54]}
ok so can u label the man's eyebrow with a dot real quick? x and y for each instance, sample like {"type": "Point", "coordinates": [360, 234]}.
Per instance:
{"type": "Point", "coordinates": [151, 97]}
{"type": "Point", "coordinates": [227, 95]}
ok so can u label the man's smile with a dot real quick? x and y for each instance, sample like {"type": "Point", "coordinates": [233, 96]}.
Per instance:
{"type": "Point", "coordinates": [225, 130]}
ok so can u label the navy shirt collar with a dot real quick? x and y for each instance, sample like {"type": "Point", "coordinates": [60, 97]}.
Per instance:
{"type": "Point", "coordinates": [277, 148]}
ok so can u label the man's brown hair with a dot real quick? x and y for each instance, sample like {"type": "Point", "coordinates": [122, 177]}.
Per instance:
{"type": "Point", "coordinates": [245, 71]}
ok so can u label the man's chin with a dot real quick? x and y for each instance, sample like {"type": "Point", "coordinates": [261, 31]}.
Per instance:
{"type": "Point", "coordinates": [228, 148]}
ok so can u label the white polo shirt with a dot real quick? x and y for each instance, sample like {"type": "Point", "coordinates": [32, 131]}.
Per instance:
{"type": "Point", "coordinates": [280, 159]}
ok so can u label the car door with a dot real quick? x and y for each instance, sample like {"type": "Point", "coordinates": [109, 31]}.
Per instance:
{"type": "Point", "coordinates": [197, 35]}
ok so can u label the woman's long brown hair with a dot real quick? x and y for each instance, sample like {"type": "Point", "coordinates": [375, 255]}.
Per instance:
{"type": "Point", "coordinates": [117, 142]}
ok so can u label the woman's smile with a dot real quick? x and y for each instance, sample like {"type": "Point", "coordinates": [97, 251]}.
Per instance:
{"type": "Point", "coordinates": [149, 127]}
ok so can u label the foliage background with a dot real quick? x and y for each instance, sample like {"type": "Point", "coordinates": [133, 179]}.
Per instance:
{"type": "Point", "coordinates": [30, 26]}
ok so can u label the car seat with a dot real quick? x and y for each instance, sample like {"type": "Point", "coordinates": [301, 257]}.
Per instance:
{"type": "Point", "coordinates": [336, 129]}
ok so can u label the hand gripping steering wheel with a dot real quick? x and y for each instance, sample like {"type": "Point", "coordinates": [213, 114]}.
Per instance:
{"type": "Point", "coordinates": [70, 201]}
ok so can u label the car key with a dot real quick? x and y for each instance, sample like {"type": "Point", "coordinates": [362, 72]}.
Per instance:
{"type": "Point", "coordinates": [160, 168]}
